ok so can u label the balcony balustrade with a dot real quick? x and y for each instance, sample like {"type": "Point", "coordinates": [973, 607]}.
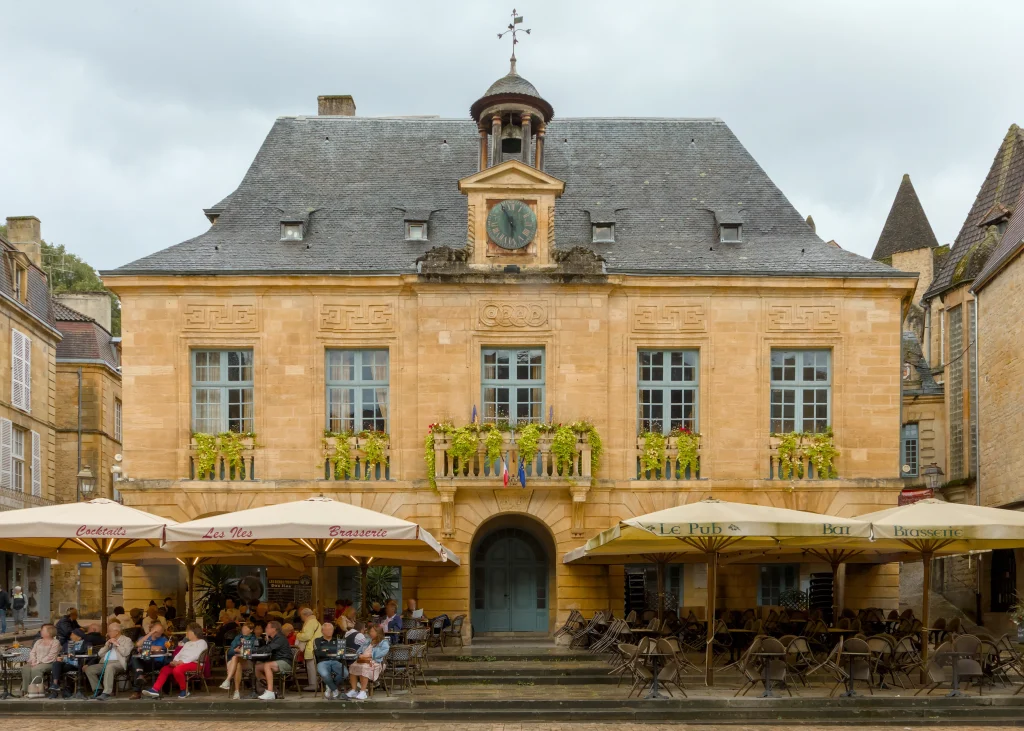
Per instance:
{"type": "Point", "coordinates": [359, 466]}
{"type": "Point", "coordinates": [673, 468]}
{"type": "Point", "coordinates": [542, 470]}
{"type": "Point", "coordinates": [220, 466]}
{"type": "Point", "coordinates": [795, 460]}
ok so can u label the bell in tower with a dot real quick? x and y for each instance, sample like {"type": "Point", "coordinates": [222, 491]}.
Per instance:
{"type": "Point", "coordinates": [511, 116]}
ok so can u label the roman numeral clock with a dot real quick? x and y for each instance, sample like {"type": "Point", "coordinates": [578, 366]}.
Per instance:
{"type": "Point", "coordinates": [511, 224]}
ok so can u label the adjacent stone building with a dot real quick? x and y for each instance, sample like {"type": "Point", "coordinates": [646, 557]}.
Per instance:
{"type": "Point", "coordinates": [28, 341]}
{"type": "Point", "coordinates": [371, 277]}
{"type": "Point", "coordinates": [88, 429]}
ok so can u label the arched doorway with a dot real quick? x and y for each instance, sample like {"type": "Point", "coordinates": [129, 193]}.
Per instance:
{"type": "Point", "coordinates": [510, 580]}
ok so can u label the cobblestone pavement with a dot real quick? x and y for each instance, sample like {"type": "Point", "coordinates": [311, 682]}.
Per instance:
{"type": "Point", "coordinates": [147, 725]}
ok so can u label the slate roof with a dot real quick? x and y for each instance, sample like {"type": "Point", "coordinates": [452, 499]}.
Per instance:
{"type": "Point", "coordinates": [663, 178]}
{"type": "Point", "coordinates": [921, 382]}
{"type": "Point", "coordinates": [974, 246]}
{"type": "Point", "coordinates": [38, 300]}
{"type": "Point", "coordinates": [512, 84]}
{"type": "Point", "coordinates": [84, 338]}
{"type": "Point", "coordinates": [907, 227]}
{"type": "Point", "coordinates": [1009, 246]}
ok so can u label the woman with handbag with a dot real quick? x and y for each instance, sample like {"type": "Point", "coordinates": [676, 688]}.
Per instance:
{"type": "Point", "coordinates": [40, 659]}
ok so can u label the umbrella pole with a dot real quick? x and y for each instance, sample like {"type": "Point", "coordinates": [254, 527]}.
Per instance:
{"type": "Point", "coordinates": [318, 584]}
{"type": "Point", "coordinates": [709, 650]}
{"type": "Point", "coordinates": [190, 567]}
{"type": "Point", "coordinates": [661, 590]}
{"type": "Point", "coordinates": [363, 566]}
{"type": "Point", "coordinates": [926, 558]}
{"type": "Point", "coordinates": [835, 593]}
{"type": "Point", "coordinates": [104, 558]}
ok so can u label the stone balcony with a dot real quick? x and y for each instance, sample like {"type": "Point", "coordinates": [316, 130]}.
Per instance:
{"type": "Point", "coordinates": [223, 467]}
{"type": "Point", "coordinates": [479, 471]}
{"type": "Point", "coordinates": [673, 469]}
{"type": "Point", "coordinates": [801, 465]}
{"type": "Point", "coordinates": [359, 467]}
{"type": "Point", "coordinates": [16, 500]}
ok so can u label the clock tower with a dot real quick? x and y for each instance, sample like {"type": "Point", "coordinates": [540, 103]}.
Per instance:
{"type": "Point", "coordinates": [511, 200]}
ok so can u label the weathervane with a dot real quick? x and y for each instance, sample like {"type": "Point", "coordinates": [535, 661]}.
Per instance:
{"type": "Point", "coordinates": [516, 20]}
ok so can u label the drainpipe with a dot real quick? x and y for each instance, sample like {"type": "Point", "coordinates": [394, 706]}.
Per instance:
{"type": "Point", "coordinates": [78, 487]}
{"type": "Point", "coordinates": [977, 443]}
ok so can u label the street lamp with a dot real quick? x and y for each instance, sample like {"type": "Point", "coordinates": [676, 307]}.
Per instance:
{"type": "Point", "coordinates": [933, 474]}
{"type": "Point", "coordinates": [86, 482]}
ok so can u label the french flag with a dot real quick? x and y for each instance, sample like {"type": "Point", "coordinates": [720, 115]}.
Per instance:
{"type": "Point", "coordinates": [504, 471]}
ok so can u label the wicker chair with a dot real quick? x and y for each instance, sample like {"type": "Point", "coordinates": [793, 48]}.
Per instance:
{"type": "Point", "coordinates": [281, 679]}
{"type": "Point", "coordinates": [398, 668]}
{"type": "Point", "coordinates": [416, 639]}
{"type": "Point", "coordinates": [199, 674]}
{"type": "Point", "coordinates": [453, 632]}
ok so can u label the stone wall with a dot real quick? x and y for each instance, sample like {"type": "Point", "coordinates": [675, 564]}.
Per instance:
{"type": "Point", "coordinates": [590, 333]}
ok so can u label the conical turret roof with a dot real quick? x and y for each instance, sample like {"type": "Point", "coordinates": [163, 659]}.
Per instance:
{"type": "Point", "coordinates": [907, 227]}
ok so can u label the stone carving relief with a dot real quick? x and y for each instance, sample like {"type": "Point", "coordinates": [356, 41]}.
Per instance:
{"type": "Point", "coordinates": [496, 314]}
{"type": "Point", "coordinates": [803, 318]}
{"type": "Point", "coordinates": [579, 502]}
{"type": "Point", "coordinates": [681, 317]}
{"type": "Point", "coordinates": [447, 512]}
{"type": "Point", "coordinates": [515, 501]}
{"type": "Point", "coordinates": [362, 317]}
{"type": "Point", "coordinates": [221, 317]}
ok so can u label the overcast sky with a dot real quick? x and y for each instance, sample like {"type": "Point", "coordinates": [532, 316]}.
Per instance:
{"type": "Point", "coordinates": [122, 121]}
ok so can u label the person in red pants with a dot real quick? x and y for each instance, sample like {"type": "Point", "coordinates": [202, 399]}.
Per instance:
{"type": "Point", "coordinates": [187, 659]}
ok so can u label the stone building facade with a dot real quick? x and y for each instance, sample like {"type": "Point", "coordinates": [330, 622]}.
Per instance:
{"type": "Point", "coordinates": [386, 274]}
{"type": "Point", "coordinates": [88, 429]}
{"type": "Point", "coordinates": [28, 404]}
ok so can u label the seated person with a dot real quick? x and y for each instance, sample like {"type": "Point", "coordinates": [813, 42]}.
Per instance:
{"type": "Point", "coordinates": [228, 624]}
{"type": "Point", "coordinates": [274, 611]}
{"type": "Point", "coordinates": [289, 632]}
{"type": "Point", "coordinates": [353, 640]}
{"type": "Point", "coordinates": [41, 657]}
{"type": "Point", "coordinates": [137, 615]}
{"type": "Point", "coordinates": [67, 661]}
{"type": "Point", "coordinates": [121, 617]}
{"type": "Point", "coordinates": [392, 621]}
{"type": "Point", "coordinates": [327, 651]}
{"type": "Point", "coordinates": [168, 609]}
{"type": "Point", "coordinates": [114, 655]}
{"type": "Point", "coordinates": [186, 660]}
{"type": "Point", "coordinates": [346, 620]}
{"type": "Point", "coordinates": [410, 608]}
{"type": "Point", "coordinates": [369, 663]}
{"type": "Point", "coordinates": [275, 657]}
{"type": "Point", "coordinates": [66, 625]}
{"type": "Point", "coordinates": [152, 615]}
{"type": "Point", "coordinates": [231, 610]}
{"type": "Point", "coordinates": [151, 652]}
{"type": "Point", "coordinates": [376, 610]}
{"type": "Point", "coordinates": [93, 635]}
{"type": "Point", "coordinates": [239, 655]}
{"type": "Point", "coordinates": [290, 613]}
{"type": "Point", "coordinates": [261, 612]}
{"type": "Point", "coordinates": [259, 628]}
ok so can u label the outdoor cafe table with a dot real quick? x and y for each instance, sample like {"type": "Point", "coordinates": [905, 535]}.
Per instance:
{"type": "Point", "coordinates": [768, 657]}
{"type": "Point", "coordinates": [6, 658]}
{"type": "Point", "coordinates": [850, 692]}
{"type": "Point", "coordinates": [954, 685]}
{"type": "Point", "coordinates": [655, 657]}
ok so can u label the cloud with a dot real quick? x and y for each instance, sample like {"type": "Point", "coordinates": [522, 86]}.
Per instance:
{"type": "Point", "coordinates": [122, 121]}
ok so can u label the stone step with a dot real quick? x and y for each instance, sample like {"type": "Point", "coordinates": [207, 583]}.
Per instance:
{"type": "Point", "coordinates": [951, 712]}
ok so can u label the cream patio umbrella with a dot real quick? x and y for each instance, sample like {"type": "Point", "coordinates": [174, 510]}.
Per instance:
{"type": "Point", "coordinates": [97, 529]}
{"type": "Point", "coordinates": [317, 528]}
{"type": "Point", "coordinates": [713, 527]}
{"type": "Point", "coordinates": [936, 527]}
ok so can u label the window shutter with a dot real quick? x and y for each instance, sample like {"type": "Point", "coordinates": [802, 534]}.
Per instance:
{"type": "Point", "coordinates": [17, 370]}
{"type": "Point", "coordinates": [26, 351]}
{"type": "Point", "coordinates": [6, 454]}
{"type": "Point", "coordinates": [37, 466]}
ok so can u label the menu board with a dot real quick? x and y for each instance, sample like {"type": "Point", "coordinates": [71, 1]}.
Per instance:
{"type": "Point", "coordinates": [298, 590]}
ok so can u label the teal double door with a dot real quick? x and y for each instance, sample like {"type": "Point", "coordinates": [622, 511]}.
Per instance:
{"type": "Point", "coordinates": [510, 583]}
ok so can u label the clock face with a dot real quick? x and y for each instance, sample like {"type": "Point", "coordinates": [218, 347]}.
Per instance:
{"type": "Point", "coordinates": [511, 224]}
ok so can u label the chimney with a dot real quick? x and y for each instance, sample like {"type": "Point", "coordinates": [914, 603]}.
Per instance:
{"type": "Point", "coordinates": [336, 105]}
{"type": "Point", "coordinates": [23, 232]}
{"type": "Point", "coordinates": [91, 304]}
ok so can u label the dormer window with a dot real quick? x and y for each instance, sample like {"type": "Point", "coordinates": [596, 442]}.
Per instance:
{"type": "Point", "coordinates": [604, 233]}
{"type": "Point", "coordinates": [20, 282]}
{"type": "Point", "coordinates": [291, 231]}
{"type": "Point", "coordinates": [730, 233]}
{"type": "Point", "coordinates": [415, 230]}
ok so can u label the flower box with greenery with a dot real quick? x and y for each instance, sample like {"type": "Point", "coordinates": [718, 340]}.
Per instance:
{"type": "Point", "coordinates": [226, 456]}
{"type": "Point", "coordinates": [478, 451]}
{"type": "Point", "coordinates": [803, 456]}
{"type": "Point", "coordinates": [672, 457]}
{"type": "Point", "coordinates": [361, 455]}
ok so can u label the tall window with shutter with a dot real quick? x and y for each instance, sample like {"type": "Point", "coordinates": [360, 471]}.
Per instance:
{"type": "Point", "coordinates": [21, 371]}
{"type": "Point", "coordinates": [37, 466]}
{"type": "Point", "coordinates": [6, 454]}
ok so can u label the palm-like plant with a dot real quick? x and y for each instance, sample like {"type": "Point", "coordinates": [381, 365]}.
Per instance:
{"type": "Point", "coordinates": [379, 583]}
{"type": "Point", "coordinates": [213, 589]}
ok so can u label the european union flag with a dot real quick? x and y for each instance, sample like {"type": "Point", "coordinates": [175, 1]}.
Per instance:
{"type": "Point", "coordinates": [522, 474]}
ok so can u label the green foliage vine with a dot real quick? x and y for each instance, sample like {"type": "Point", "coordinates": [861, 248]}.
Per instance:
{"type": "Point", "coordinates": [688, 445]}
{"type": "Point", "coordinates": [652, 456]}
{"type": "Point", "coordinates": [795, 448]}
{"type": "Point", "coordinates": [228, 444]}
{"type": "Point", "coordinates": [374, 444]}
